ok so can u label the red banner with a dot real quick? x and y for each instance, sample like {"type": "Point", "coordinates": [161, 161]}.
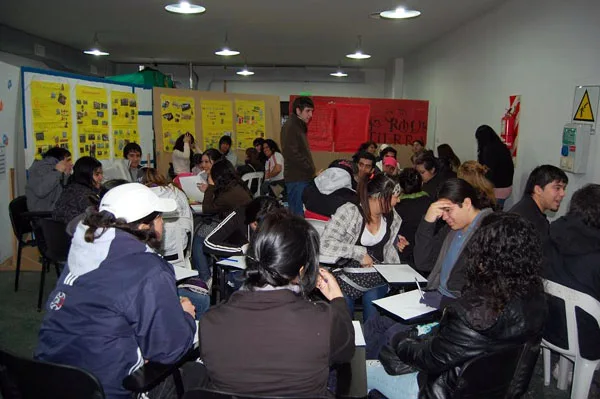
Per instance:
{"type": "Point", "coordinates": [390, 121]}
{"type": "Point", "coordinates": [351, 126]}
{"type": "Point", "coordinates": [320, 131]}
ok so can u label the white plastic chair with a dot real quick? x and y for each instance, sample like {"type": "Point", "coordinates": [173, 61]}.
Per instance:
{"type": "Point", "coordinates": [251, 177]}
{"type": "Point", "coordinates": [584, 368]}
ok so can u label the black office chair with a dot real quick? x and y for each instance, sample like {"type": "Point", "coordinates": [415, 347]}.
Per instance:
{"type": "Point", "coordinates": [20, 218]}
{"type": "Point", "coordinates": [22, 378]}
{"type": "Point", "coordinates": [53, 243]}
{"type": "Point", "coordinates": [212, 394]}
{"type": "Point", "coordinates": [509, 381]}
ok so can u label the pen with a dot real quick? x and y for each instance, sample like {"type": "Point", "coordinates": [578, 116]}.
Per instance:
{"type": "Point", "coordinates": [235, 260]}
{"type": "Point", "coordinates": [419, 288]}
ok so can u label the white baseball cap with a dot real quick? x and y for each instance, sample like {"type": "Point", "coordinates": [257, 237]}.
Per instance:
{"type": "Point", "coordinates": [134, 201]}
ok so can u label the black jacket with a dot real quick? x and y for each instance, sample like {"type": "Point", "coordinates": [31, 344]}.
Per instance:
{"type": "Point", "coordinates": [468, 328]}
{"type": "Point", "coordinates": [411, 210]}
{"type": "Point", "coordinates": [228, 238]}
{"type": "Point", "coordinates": [327, 204]}
{"type": "Point", "coordinates": [499, 160]}
{"type": "Point", "coordinates": [432, 186]}
{"type": "Point", "coordinates": [298, 162]}
{"type": "Point", "coordinates": [73, 201]}
{"type": "Point", "coordinates": [530, 211]}
{"type": "Point", "coordinates": [573, 260]}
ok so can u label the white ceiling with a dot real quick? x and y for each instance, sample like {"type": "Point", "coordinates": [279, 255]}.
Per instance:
{"type": "Point", "coordinates": [267, 32]}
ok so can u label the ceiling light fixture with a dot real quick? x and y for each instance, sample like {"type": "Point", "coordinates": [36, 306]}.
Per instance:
{"type": "Point", "coordinates": [358, 54]}
{"type": "Point", "coordinates": [185, 7]}
{"type": "Point", "coordinates": [399, 13]}
{"type": "Point", "coordinates": [226, 51]}
{"type": "Point", "coordinates": [339, 73]}
{"type": "Point", "coordinates": [96, 49]}
{"type": "Point", "coordinates": [245, 72]}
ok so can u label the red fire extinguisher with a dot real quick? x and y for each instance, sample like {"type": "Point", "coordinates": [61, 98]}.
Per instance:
{"type": "Point", "coordinates": [507, 133]}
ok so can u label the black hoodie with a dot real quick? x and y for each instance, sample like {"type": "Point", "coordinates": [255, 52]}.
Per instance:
{"type": "Point", "coordinates": [572, 258]}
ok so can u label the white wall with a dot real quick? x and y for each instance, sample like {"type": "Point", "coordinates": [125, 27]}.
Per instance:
{"type": "Point", "coordinates": [540, 49]}
{"type": "Point", "coordinates": [372, 87]}
{"type": "Point", "coordinates": [8, 126]}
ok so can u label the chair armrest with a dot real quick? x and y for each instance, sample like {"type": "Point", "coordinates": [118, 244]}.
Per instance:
{"type": "Point", "coordinates": [151, 374]}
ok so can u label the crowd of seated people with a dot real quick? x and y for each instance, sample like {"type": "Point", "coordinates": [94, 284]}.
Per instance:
{"type": "Point", "coordinates": [286, 315]}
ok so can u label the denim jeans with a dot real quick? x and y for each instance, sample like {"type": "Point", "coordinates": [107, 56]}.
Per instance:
{"type": "Point", "coordinates": [294, 194]}
{"type": "Point", "coordinates": [200, 301]}
{"type": "Point", "coordinates": [200, 260]}
{"type": "Point", "coordinates": [367, 301]}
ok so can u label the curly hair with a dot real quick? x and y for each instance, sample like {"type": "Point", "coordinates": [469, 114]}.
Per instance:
{"type": "Point", "coordinates": [504, 260]}
{"type": "Point", "coordinates": [474, 173]}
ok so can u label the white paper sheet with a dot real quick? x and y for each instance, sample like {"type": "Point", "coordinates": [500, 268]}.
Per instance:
{"type": "Point", "coordinates": [196, 208]}
{"type": "Point", "coordinates": [190, 188]}
{"type": "Point", "coordinates": [183, 273]}
{"type": "Point", "coordinates": [238, 262]}
{"type": "Point", "coordinates": [406, 305]}
{"type": "Point", "coordinates": [394, 273]}
{"type": "Point", "coordinates": [359, 338]}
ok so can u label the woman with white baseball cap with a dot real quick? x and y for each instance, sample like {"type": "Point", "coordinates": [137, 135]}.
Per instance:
{"type": "Point", "coordinates": [116, 304]}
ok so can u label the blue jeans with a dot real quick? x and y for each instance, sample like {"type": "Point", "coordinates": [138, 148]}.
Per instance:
{"type": "Point", "coordinates": [294, 193]}
{"type": "Point", "coordinates": [200, 260]}
{"type": "Point", "coordinates": [367, 301]}
{"type": "Point", "coordinates": [200, 301]}
{"type": "Point", "coordinates": [392, 386]}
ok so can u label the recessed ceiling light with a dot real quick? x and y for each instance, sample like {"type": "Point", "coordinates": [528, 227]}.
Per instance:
{"type": "Point", "coordinates": [399, 13]}
{"type": "Point", "coordinates": [339, 74]}
{"type": "Point", "coordinates": [358, 55]}
{"type": "Point", "coordinates": [245, 72]}
{"type": "Point", "coordinates": [185, 7]}
{"type": "Point", "coordinates": [226, 52]}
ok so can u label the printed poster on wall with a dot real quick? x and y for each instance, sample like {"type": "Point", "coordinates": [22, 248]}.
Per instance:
{"type": "Point", "coordinates": [51, 115]}
{"type": "Point", "coordinates": [92, 121]}
{"type": "Point", "coordinates": [217, 121]}
{"type": "Point", "coordinates": [124, 120]}
{"type": "Point", "coordinates": [178, 118]}
{"type": "Point", "coordinates": [250, 122]}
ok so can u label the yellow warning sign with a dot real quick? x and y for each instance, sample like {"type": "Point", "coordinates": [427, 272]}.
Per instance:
{"type": "Point", "coordinates": [584, 111]}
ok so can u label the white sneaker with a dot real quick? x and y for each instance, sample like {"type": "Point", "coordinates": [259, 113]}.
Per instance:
{"type": "Point", "coordinates": [555, 373]}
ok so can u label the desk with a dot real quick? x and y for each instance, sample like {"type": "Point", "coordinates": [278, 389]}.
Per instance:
{"type": "Point", "coordinates": [406, 306]}
{"type": "Point", "coordinates": [399, 274]}
{"type": "Point", "coordinates": [352, 377]}
{"type": "Point", "coordinates": [181, 273]}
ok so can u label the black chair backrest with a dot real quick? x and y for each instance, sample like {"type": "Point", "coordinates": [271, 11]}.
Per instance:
{"type": "Point", "coordinates": [22, 378]}
{"type": "Point", "coordinates": [52, 239]}
{"type": "Point", "coordinates": [17, 209]}
{"type": "Point", "coordinates": [499, 375]}
{"type": "Point", "coordinates": [212, 394]}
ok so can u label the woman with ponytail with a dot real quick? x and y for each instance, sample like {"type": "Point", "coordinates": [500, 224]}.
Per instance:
{"type": "Point", "coordinates": [269, 339]}
{"type": "Point", "coordinates": [115, 304]}
{"type": "Point", "coordinates": [362, 235]}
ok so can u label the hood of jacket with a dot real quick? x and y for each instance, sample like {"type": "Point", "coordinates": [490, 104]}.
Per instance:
{"type": "Point", "coordinates": [112, 245]}
{"type": "Point", "coordinates": [333, 179]}
{"type": "Point", "coordinates": [572, 237]}
{"type": "Point", "coordinates": [43, 166]}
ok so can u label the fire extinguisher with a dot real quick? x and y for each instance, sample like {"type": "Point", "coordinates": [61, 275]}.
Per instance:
{"type": "Point", "coordinates": [508, 129]}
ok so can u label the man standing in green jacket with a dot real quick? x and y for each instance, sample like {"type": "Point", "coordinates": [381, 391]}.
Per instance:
{"type": "Point", "coordinates": [298, 163]}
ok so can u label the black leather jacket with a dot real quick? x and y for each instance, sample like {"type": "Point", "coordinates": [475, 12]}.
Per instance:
{"type": "Point", "coordinates": [469, 327]}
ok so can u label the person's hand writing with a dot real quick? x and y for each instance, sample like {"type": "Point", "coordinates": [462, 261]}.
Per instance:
{"type": "Point", "coordinates": [187, 306]}
{"type": "Point", "coordinates": [436, 210]}
{"type": "Point", "coordinates": [402, 243]}
{"type": "Point", "coordinates": [328, 285]}
{"type": "Point", "coordinates": [366, 261]}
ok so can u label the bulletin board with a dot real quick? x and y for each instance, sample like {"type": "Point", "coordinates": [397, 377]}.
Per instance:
{"type": "Point", "coordinates": [210, 115]}
{"type": "Point", "coordinates": [86, 115]}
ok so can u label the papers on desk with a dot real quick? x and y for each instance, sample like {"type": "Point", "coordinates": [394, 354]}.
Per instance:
{"type": "Point", "coordinates": [197, 208]}
{"type": "Point", "coordinates": [182, 273]}
{"type": "Point", "coordinates": [394, 273]}
{"type": "Point", "coordinates": [406, 305]}
{"type": "Point", "coordinates": [239, 262]}
{"type": "Point", "coordinates": [359, 338]}
{"type": "Point", "coordinates": [190, 188]}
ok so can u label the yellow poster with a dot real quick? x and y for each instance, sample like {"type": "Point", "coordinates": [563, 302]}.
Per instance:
{"type": "Point", "coordinates": [51, 116]}
{"type": "Point", "coordinates": [124, 120]}
{"type": "Point", "coordinates": [92, 122]}
{"type": "Point", "coordinates": [217, 121]}
{"type": "Point", "coordinates": [178, 118]}
{"type": "Point", "coordinates": [250, 122]}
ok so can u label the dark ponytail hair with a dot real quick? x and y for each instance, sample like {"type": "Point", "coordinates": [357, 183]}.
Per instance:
{"type": "Point", "coordinates": [282, 245]}
{"type": "Point", "coordinates": [410, 181]}
{"type": "Point", "coordinates": [105, 220]}
{"type": "Point", "coordinates": [376, 185]}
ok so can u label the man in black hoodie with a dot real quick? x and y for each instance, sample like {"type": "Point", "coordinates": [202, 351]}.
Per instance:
{"type": "Point", "coordinates": [572, 258]}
